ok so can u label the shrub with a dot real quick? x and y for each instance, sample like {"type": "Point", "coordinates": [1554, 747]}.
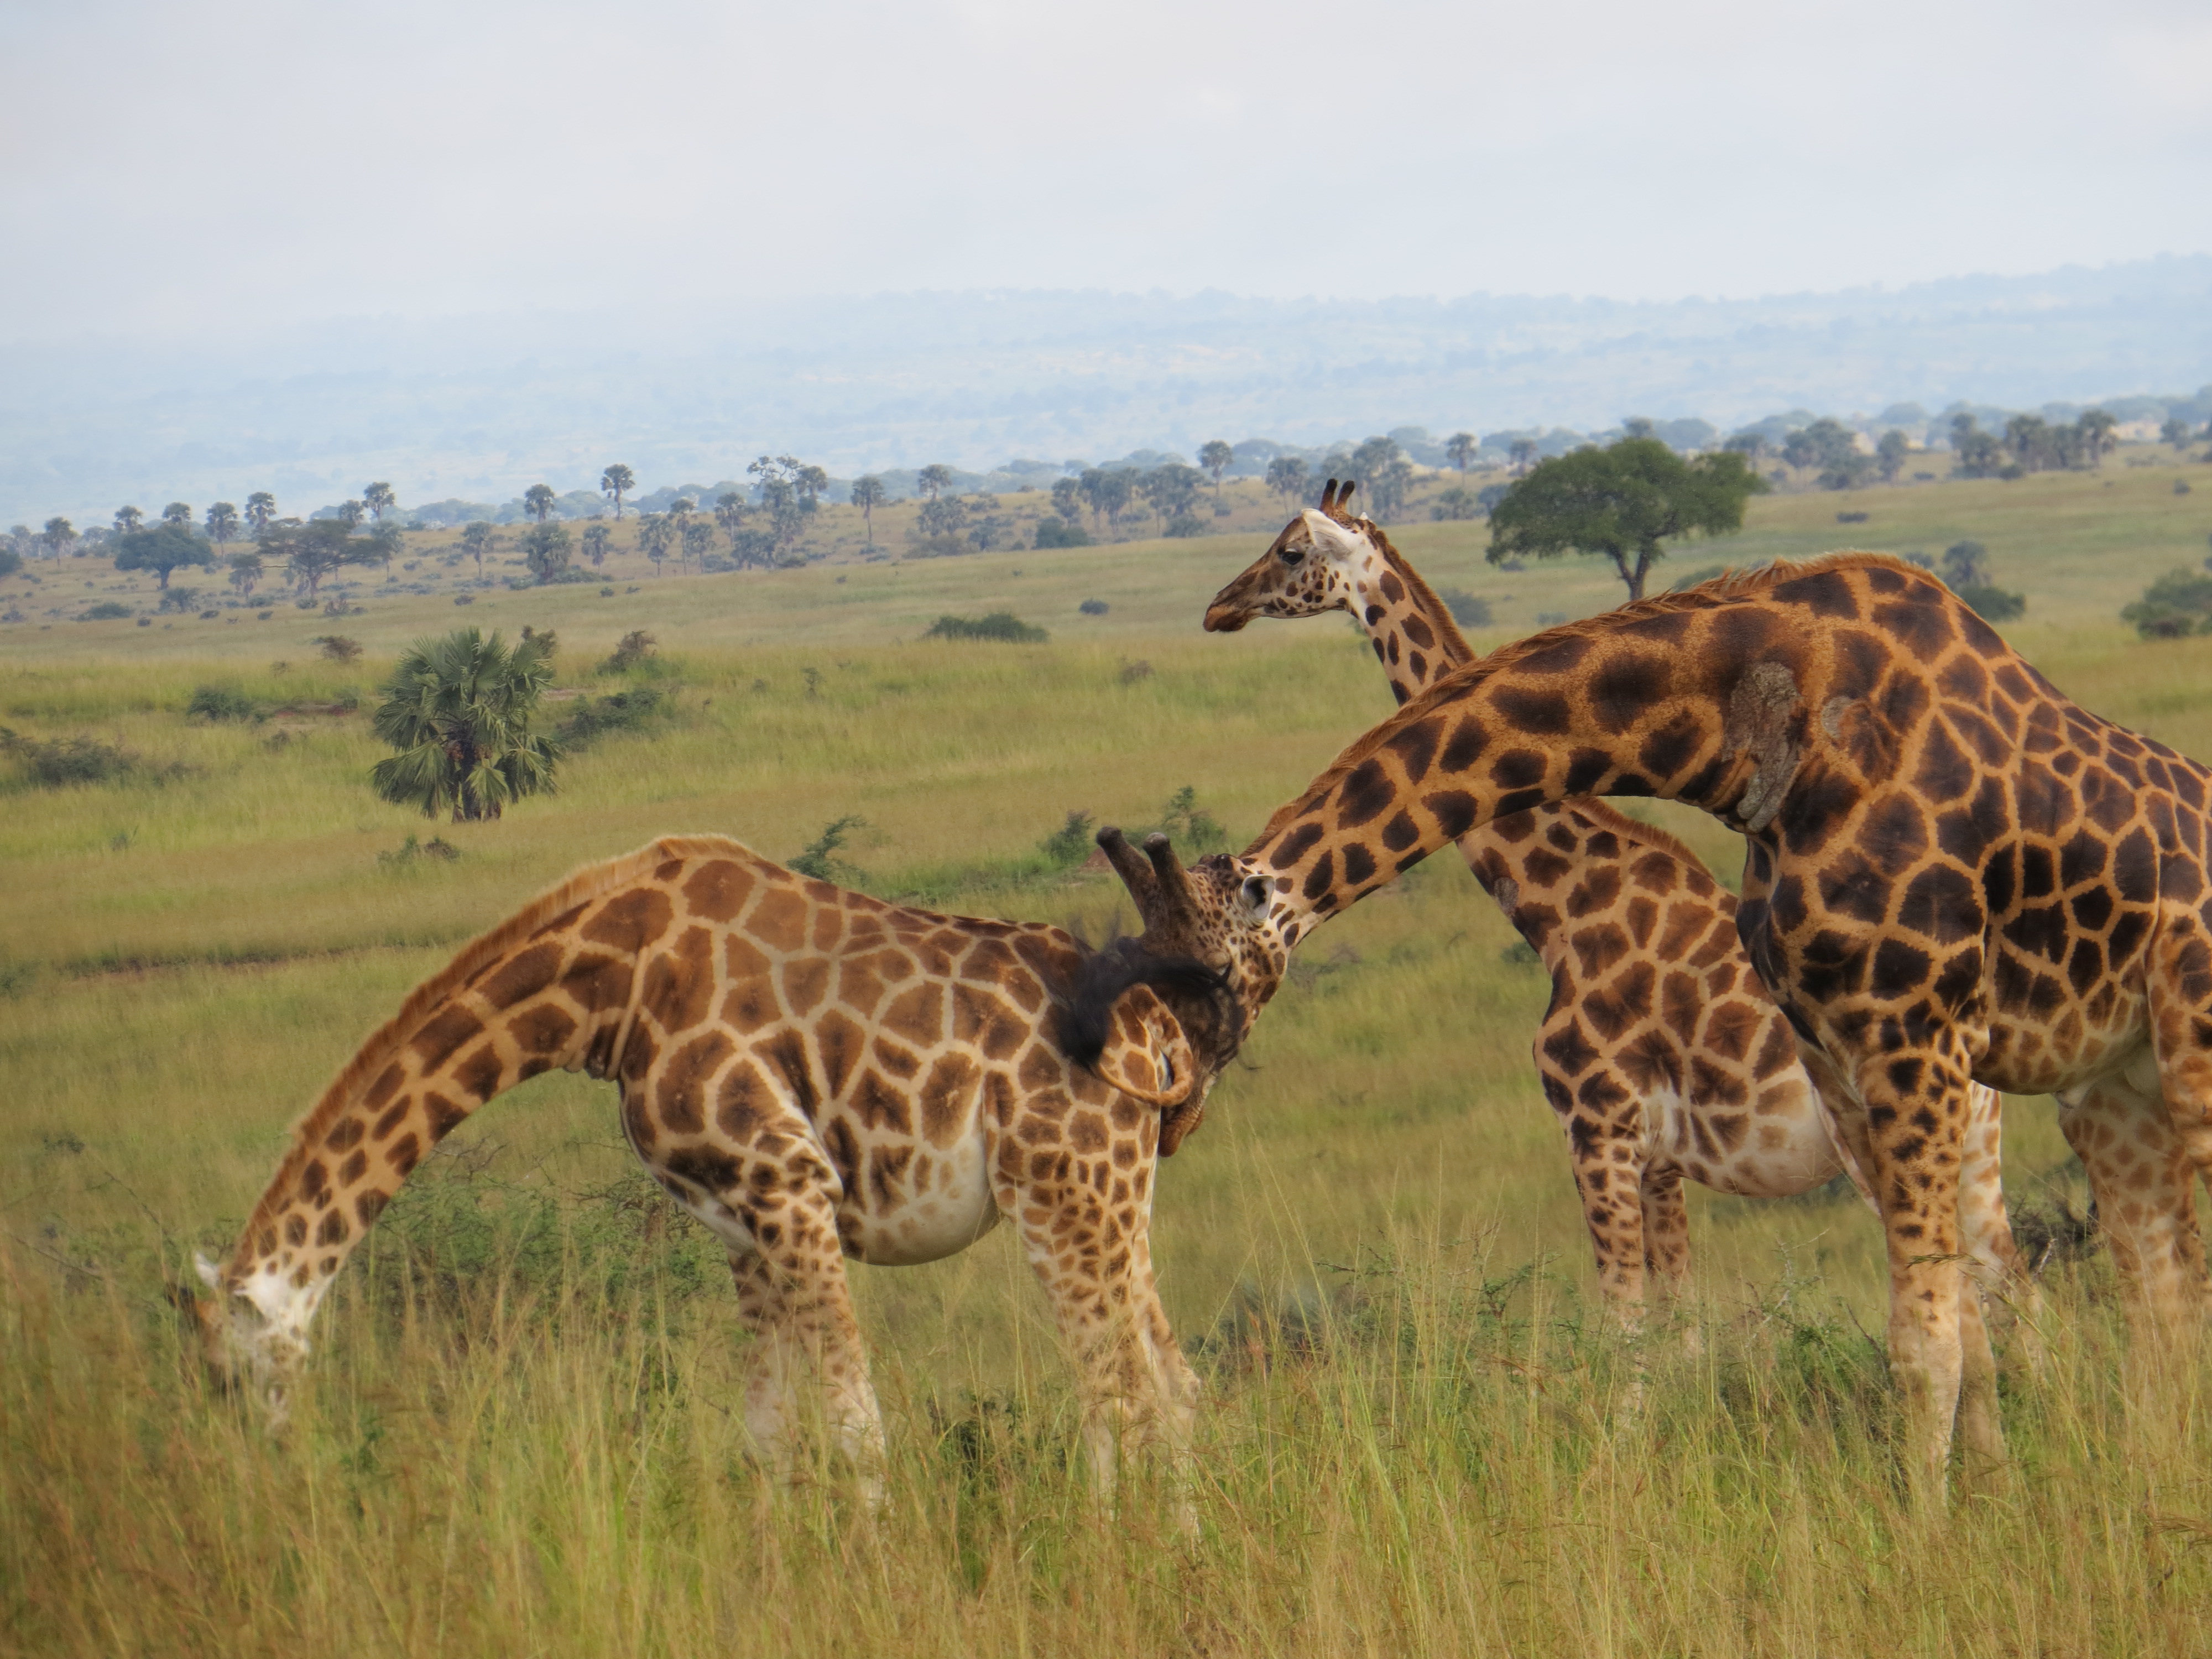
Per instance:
{"type": "Point", "coordinates": [410, 851]}
{"type": "Point", "coordinates": [66, 760]}
{"type": "Point", "coordinates": [221, 702]}
{"type": "Point", "coordinates": [1002, 625]}
{"type": "Point", "coordinates": [1094, 607]}
{"type": "Point", "coordinates": [106, 610]}
{"type": "Point", "coordinates": [336, 646]}
{"type": "Point", "coordinates": [633, 649]}
{"type": "Point", "coordinates": [1850, 518]}
{"type": "Point", "coordinates": [1457, 502]}
{"type": "Point", "coordinates": [1186, 523]}
{"type": "Point", "coordinates": [623, 711]}
{"type": "Point", "coordinates": [1993, 604]}
{"type": "Point", "coordinates": [819, 859]}
{"type": "Point", "coordinates": [1465, 609]}
{"type": "Point", "coordinates": [1071, 843]}
{"type": "Point", "coordinates": [2177, 604]}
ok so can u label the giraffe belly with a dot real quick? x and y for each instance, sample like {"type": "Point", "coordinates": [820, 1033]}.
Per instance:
{"type": "Point", "coordinates": [923, 1209]}
{"type": "Point", "coordinates": [1776, 1149]}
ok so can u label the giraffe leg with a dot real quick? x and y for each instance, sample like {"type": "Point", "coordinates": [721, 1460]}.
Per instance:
{"type": "Point", "coordinates": [1916, 1106]}
{"type": "Point", "coordinates": [1610, 1172]}
{"type": "Point", "coordinates": [804, 1328]}
{"type": "Point", "coordinates": [1666, 1229]}
{"type": "Point", "coordinates": [2145, 1186]}
{"type": "Point", "coordinates": [1986, 1231]}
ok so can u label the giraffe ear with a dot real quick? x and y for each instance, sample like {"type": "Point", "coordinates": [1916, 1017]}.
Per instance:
{"type": "Point", "coordinates": [1146, 1056]}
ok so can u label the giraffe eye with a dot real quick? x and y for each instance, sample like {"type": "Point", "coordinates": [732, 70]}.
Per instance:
{"type": "Point", "coordinates": [1258, 894]}
{"type": "Point", "coordinates": [1292, 555]}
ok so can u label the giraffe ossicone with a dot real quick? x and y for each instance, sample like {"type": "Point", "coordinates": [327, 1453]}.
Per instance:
{"type": "Point", "coordinates": [811, 1073]}
{"type": "Point", "coordinates": [1957, 875]}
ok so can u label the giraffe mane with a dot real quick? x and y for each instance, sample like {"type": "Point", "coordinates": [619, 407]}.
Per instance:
{"type": "Point", "coordinates": [1630, 829]}
{"type": "Point", "coordinates": [1732, 584]}
{"type": "Point", "coordinates": [1438, 614]}
{"type": "Point", "coordinates": [579, 887]}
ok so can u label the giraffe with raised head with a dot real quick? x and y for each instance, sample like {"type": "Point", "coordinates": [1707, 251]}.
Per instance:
{"type": "Point", "coordinates": [1662, 1053]}
{"type": "Point", "coordinates": [812, 1074]}
{"type": "Point", "coordinates": [1954, 874]}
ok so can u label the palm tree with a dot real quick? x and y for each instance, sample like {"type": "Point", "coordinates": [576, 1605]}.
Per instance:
{"type": "Point", "coordinates": [616, 481]}
{"type": "Point", "coordinates": [2096, 426]}
{"type": "Point", "coordinates": [538, 501]}
{"type": "Point", "coordinates": [222, 524]}
{"type": "Point", "coordinates": [128, 518]}
{"type": "Point", "coordinates": [933, 478]}
{"type": "Point", "coordinates": [1216, 457]}
{"type": "Point", "coordinates": [58, 535]}
{"type": "Point", "coordinates": [260, 508]}
{"type": "Point", "coordinates": [477, 540]}
{"type": "Point", "coordinates": [1286, 476]}
{"type": "Point", "coordinates": [353, 512]}
{"type": "Point", "coordinates": [460, 710]}
{"type": "Point", "coordinates": [868, 495]}
{"type": "Point", "coordinates": [178, 513]}
{"type": "Point", "coordinates": [595, 543]}
{"type": "Point", "coordinates": [377, 498]}
{"type": "Point", "coordinates": [1461, 449]}
{"type": "Point", "coordinates": [678, 522]}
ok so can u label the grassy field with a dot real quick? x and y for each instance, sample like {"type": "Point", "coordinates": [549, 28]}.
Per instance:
{"type": "Point", "coordinates": [518, 1437]}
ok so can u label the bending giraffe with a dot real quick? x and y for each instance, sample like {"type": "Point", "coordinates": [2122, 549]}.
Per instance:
{"type": "Point", "coordinates": [1662, 1053]}
{"type": "Point", "coordinates": [1956, 874]}
{"type": "Point", "coordinates": [811, 1073]}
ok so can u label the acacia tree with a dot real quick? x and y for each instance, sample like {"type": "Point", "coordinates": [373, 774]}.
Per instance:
{"type": "Point", "coordinates": [350, 513]}
{"type": "Point", "coordinates": [312, 551]}
{"type": "Point", "coordinates": [1622, 502]}
{"type": "Point", "coordinates": [245, 570]}
{"type": "Point", "coordinates": [616, 481]}
{"type": "Point", "coordinates": [461, 712]}
{"type": "Point", "coordinates": [378, 499]}
{"type": "Point", "coordinates": [1461, 449]}
{"type": "Point", "coordinates": [260, 509]}
{"type": "Point", "coordinates": [222, 525]}
{"type": "Point", "coordinates": [868, 495]}
{"type": "Point", "coordinates": [58, 535]}
{"type": "Point", "coordinates": [1889, 454]}
{"type": "Point", "coordinates": [1286, 476]}
{"type": "Point", "coordinates": [128, 518]}
{"type": "Point", "coordinates": [1217, 457]}
{"type": "Point", "coordinates": [163, 548]}
{"type": "Point", "coordinates": [538, 501]}
{"type": "Point", "coordinates": [178, 513]}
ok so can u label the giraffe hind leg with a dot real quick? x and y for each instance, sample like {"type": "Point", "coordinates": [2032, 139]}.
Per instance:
{"type": "Point", "coordinates": [2144, 1184]}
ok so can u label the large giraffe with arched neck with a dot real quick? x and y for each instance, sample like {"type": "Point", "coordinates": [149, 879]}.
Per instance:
{"type": "Point", "coordinates": [810, 1073]}
{"type": "Point", "coordinates": [1662, 1053]}
{"type": "Point", "coordinates": [1956, 874]}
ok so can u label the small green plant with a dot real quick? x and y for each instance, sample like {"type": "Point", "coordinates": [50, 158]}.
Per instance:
{"type": "Point", "coordinates": [1071, 843]}
{"type": "Point", "coordinates": [62, 761]}
{"type": "Point", "coordinates": [1094, 607]}
{"type": "Point", "coordinates": [1192, 828]}
{"type": "Point", "coordinates": [437, 849]}
{"type": "Point", "coordinates": [106, 610]}
{"type": "Point", "coordinates": [221, 702]}
{"type": "Point", "coordinates": [1002, 625]}
{"type": "Point", "coordinates": [336, 646]}
{"type": "Point", "coordinates": [819, 859]}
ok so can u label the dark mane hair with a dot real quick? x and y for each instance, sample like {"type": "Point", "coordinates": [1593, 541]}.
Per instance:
{"type": "Point", "coordinates": [1112, 968]}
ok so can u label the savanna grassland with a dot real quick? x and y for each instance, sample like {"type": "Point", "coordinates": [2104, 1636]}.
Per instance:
{"type": "Point", "coordinates": [518, 1433]}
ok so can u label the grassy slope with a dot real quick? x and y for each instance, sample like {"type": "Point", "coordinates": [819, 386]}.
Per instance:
{"type": "Point", "coordinates": [184, 963]}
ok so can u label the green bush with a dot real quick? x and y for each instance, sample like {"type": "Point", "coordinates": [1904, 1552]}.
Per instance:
{"type": "Point", "coordinates": [1069, 844]}
{"type": "Point", "coordinates": [1991, 602]}
{"type": "Point", "coordinates": [1185, 525]}
{"type": "Point", "coordinates": [1003, 625]}
{"type": "Point", "coordinates": [2177, 604]}
{"type": "Point", "coordinates": [1060, 532]}
{"type": "Point", "coordinates": [221, 702]}
{"type": "Point", "coordinates": [1465, 609]}
{"type": "Point", "coordinates": [624, 711]}
{"type": "Point", "coordinates": [106, 610]}
{"type": "Point", "coordinates": [58, 764]}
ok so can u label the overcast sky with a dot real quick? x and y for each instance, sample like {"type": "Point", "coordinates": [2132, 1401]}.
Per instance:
{"type": "Point", "coordinates": [205, 168]}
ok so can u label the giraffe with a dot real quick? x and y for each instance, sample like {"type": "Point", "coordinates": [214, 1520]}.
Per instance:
{"type": "Point", "coordinates": [811, 1073]}
{"type": "Point", "coordinates": [1706, 1085]}
{"type": "Point", "coordinates": [1954, 874]}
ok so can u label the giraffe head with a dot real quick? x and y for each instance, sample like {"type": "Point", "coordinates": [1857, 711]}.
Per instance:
{"type": "Point", "coordinates": [1323, 561]}
{"type": "Point", "coordinates": [1215, 912]}
{"type": "Point", "coordinates": [250, 1334]}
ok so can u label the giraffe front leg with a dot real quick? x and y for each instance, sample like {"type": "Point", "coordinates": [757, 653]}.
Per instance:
{"type": "Point", "coordinates": [1610, 1172]}
{"type": "Point", "coordinates": [1986, 1231]}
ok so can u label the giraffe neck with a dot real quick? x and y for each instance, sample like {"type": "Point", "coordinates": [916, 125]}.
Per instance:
{"type": "Point", "coordinates": [1414, 637]}
{"type": "Point", "coordinates": [1692, 697]}
{"type": "Point", "coordinates": [554, 987]}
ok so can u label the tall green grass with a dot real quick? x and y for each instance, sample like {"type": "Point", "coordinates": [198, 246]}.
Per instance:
{"type": "Point", "coordinates": [517, 1434]}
